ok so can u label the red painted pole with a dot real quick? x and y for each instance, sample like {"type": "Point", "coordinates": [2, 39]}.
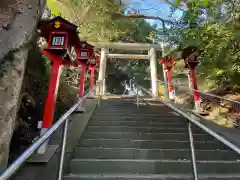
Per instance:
{"type": "Point", "coordinates": [51, 97]}
{"type": "Point", "coordinates": [194, 84]}
{"type": "Point", "coordinates": [171, 97]}
{"type": "Point", "coordinates": [82, 78]}
{"type": "Point", "coordinates": [195, 87]}
{"type": "Point", "coordinates": [92, 77]}
{"type": "Point", "coordinates": [52, 90]}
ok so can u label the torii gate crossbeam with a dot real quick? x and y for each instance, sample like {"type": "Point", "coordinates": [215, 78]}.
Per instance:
{"type": "Point", "coordinates": [126, 46]}
{"type": "Point", "coordinates": [129, 56]}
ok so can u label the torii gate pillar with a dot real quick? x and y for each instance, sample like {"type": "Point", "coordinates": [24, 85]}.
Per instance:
{"type": "Point", "coordinates": [102, 70]}
{"type": "Point", "coordinates": [153, 68]}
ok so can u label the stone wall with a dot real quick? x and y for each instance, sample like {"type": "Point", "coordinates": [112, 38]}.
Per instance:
{"type": "Point", "coordinates": [15, 34]}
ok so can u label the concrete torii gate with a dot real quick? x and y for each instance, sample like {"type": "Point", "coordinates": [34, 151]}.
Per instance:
{"type": "Point", "coordinates": [152, 48]}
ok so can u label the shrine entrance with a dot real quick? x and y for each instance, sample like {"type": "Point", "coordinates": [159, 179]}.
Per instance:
{"type": "Point", "coordinates": [151, 56]}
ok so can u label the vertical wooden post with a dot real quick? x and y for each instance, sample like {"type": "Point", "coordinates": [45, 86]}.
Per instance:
{"type": "Point", "coordinates": [189, 79]}
{"type": "Point", "coordinates": [153, 68]}
{"type": "Point", "coordinates": [51, 97]}
{"type": "Point", "coordinates": [92, 84]}
{"type": "Point", "coordinates": [195, 87]}
{"type": "Point", "coordinates": [92, 69]}
{"type": "Point", "coordinates": [82, 78]}
{"type": "Point", "coordinates": [81, 107]}
{"type": "Point", "coordinates": [102, 70]}
{"type": "Point", "coordinates": [164, 72]}
{"type": "Point", "coordinates": [170, 90]}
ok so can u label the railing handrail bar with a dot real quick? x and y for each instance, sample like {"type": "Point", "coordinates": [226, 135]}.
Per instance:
{"type": "Point", "coordinates": [29, 151]}
{"type": "Point", "coordinates": [216, 96]}
{"type": "Point", "coordinates": [200, 125]}
{"type": "Point", "coordinates": [207, 94]}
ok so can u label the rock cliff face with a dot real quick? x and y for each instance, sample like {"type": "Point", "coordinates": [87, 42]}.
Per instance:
{"type": "Point", "coordinates": [18, 19]}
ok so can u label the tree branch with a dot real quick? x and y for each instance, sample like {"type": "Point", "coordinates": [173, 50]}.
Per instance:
{"type": "Point", "coordinates": [141, 16]}
{"type": "Point", "coordinates": [172, 4]}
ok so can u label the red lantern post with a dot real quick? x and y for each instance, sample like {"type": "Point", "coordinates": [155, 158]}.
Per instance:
{"type": "Point", "coordinates": [92, 69]}
{"type": "Point", "coordinates": [92, 66]}
{"type": "Point", "coordinates": [52, 90]}
{"type": "Point", "coordinates": [191, 62]}
{"type": "Point", "coordinates": [84, 53]}
{"type": "Point", "coordinates": [168, 64]}
{"type": "Point", "coordinates": [61, 35]}
{"type": "Point", "coordinates": [82, 79]}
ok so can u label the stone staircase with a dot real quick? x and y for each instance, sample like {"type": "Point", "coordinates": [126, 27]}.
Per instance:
{"type": "Point", "coordinates": [151, 142]}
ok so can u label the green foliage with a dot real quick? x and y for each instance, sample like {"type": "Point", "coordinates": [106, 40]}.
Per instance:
{"type": "Point", "coordinates": [142, 32]}
{"type": "Point", "coordinates": [95, 18]}
{"type": "Point", "coordinates": [216, 36]}
{"type": "Point", "coordinates": [98, 21]}
{"type": "Point", "coordinates": [53, 5]}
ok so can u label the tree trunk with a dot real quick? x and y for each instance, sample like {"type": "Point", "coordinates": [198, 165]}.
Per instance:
{"type": "Point", "coordinates": [15, 34]}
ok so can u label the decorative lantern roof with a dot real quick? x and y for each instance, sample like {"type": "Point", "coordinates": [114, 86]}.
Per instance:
{"type": "Point", "coordinates": [190, 56]}
{"type": "Point", "coordinates": [168, 61]}
{"type": "Point", "coordinates": [85, 52]}
{"type": "Point", "coordinates": [58, 24]}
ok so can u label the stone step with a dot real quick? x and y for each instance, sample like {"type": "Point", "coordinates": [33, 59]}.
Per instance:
{"type": "Point", "coordinates": [112, 114]}
{"type": "Point", "coordinates": [134, 110]}
{"type": "Point", "coordinates": [123, 105]}
{"type": "Point", "coordinates": [138, 123]}
{"type": "Point", "coordinates": [150, 177]}
{"type": "Point", "coordinates": [139, 129]}
{"type": "Point", "coordinates": [140, 118]}
{"type": "Point", "coordinates": [97, 166]}
{"type": "Point", "coordinates": [149, 144]}
{"type": "Point", "coordinates": [131, 114]}
{"type": "Point", "coordinates": [107, 108]}
{"type": "Point", "coordinates": [164, 154]}
{"type": "Point", "coordinates": [145, 136]}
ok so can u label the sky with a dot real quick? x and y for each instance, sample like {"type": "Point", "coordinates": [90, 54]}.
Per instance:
{"type": "Point", "coordinates": [153, 8]}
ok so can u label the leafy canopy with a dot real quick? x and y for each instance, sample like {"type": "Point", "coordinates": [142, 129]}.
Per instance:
{"type": "Point", "coordinates": [216, 33]}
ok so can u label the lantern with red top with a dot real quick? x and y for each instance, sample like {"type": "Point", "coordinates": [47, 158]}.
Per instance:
{"type": "Point", "coordinates": [61, 36]}
{"type": "Point", "coordinates": [94, 61]}
{"type": "Point", "coordinates": [168, 62]}
{"type": "Point", "coordinates": [188, 51]}
{"type": "Point", "coordinates": [84, 53]}
{"type": "Point", "coordinates": [190, 57]}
